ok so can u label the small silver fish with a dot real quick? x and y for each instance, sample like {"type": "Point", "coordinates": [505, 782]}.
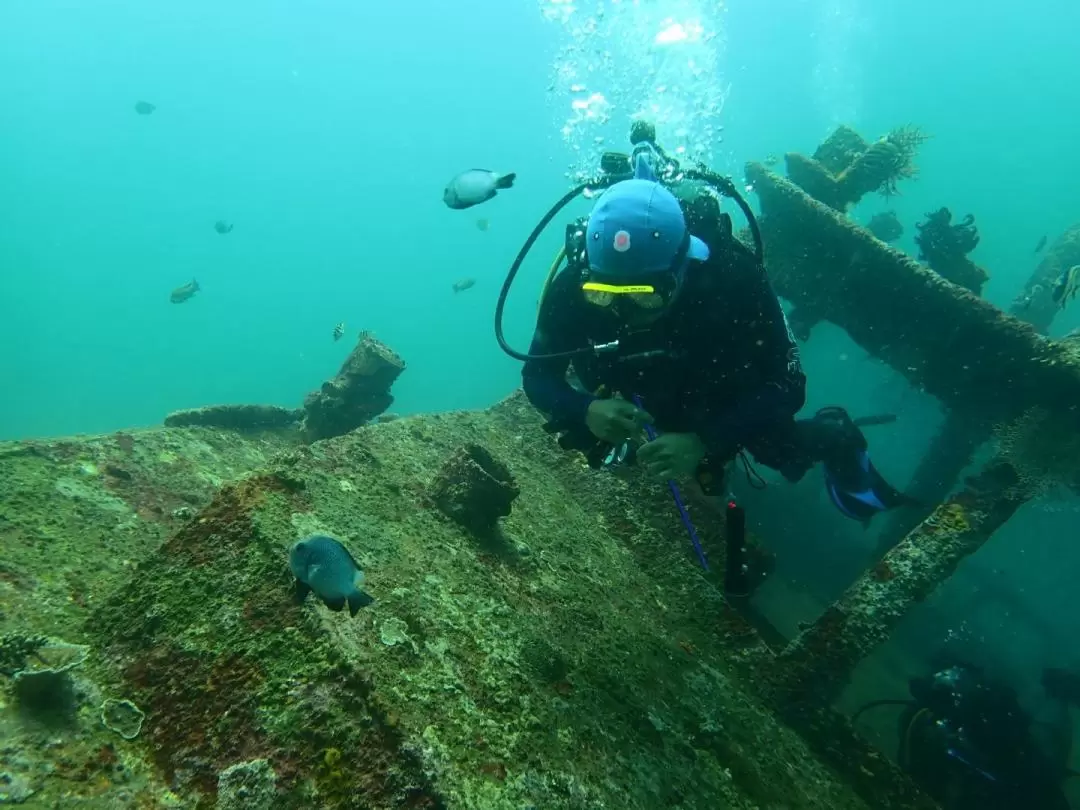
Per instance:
{"type": "Point", "coordinates": [339, 330]}
{"type": "Point", "coordinates": [323, 566]}
{"type": "Point", "coordinates": [474, 187]}
{"type": "Point", "coordinates": [184, 292]}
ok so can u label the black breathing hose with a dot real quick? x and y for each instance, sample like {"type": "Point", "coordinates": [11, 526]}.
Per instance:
{"type": "Point", "coordinates": [516, 266]}
{"type": "Point", "coordinates": [722, 184]}
{"type": "Point", "coordinates": [726, 187]}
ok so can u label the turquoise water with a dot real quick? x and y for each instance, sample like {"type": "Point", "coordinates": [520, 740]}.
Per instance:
{"type": "Point", "coordinates": [326, 132]}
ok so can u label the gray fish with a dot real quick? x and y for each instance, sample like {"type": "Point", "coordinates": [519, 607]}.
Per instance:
{"type": "Point", "coordinates": [144, 107]}
{"type": "Point", "coordinates": [183, 293]}
{"type": "Point", "coordinates": [464, 284]}
{"type": "Point", "coordinates": [474, 187]}
{"type": "Point", "coordinates": [325, 567]}
{"type": "Point", "coordinates": [222, 227]}
{"type": "Point", "coordinates": [1067, 286]}
{"type": "Point", "coordinates": [1041, 244]}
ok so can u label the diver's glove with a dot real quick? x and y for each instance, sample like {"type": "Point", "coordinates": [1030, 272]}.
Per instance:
{"type": "Point", "coordinates": [576, 437]}
{"type": "Point", "coordinates": [615, 420]}
{"type": "Point", "coordinates": [672, 455]}
{"type": "Point", "coordinates": [855, 487]}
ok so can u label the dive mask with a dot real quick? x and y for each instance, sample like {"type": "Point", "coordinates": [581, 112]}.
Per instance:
{"type": "Point", "coordinates": [656, 294]}
{"type": "Point", "coordinates": [649, 292]}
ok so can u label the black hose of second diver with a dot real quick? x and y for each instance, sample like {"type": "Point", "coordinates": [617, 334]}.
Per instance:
{"type": "Point", "coordinates": [501, 305]}
{"type": "Point", "coordinates": [726, 187]}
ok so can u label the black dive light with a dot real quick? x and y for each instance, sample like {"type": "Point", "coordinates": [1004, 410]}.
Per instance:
{"type": "Point", "coordinates": [736, 570]}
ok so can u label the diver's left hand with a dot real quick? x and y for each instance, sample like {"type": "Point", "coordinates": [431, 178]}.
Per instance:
{"type": "Point", "coordinates": [672, 455]}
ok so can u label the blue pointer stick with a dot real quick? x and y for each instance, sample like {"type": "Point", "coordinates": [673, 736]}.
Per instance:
{"type": "Point", "coordinates": [690, 530]}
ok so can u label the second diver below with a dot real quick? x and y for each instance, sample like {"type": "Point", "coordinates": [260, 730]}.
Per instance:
{"type": "Point", "coordinates": [706, 356]}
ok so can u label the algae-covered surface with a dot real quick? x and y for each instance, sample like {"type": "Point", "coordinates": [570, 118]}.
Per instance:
{"type": "Point", "coordinates": [76, 517]}
{"type": "Point", "coordinates": [576, 657]}
{"type": "Point", "coordinates": [77, 514]}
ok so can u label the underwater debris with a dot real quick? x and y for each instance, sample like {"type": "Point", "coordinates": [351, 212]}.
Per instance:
{"type": "Point", "coordinates": [43, 655]}
{"type": "Point", "coordinates": [1066, 286]}
{"type": "Point", "coordinates": [474, 489]}
{"type": "Point", "coordinates": [902, 144]}
{"type": "Point", "coordinates": [41, 678]}
{"type": "Point", "coordinates": [358, 394]}
{"type": "Point", "coordinates": [394, 631]}
{"type": "Point", "coordinates": [840, 149]}
{"type": "Point", "coordinates": [885, 163]}
{"type": "Point", "coordinates": [878, 300]}
{"type": "Point", "coordinates": [14, 788]}
{"type": "Point", "coordinates": [123, 717]}
{"type": "Point", "coordinates": [1043, 449]}
{"type": "Point", "coordinates": [945, 246]}
{"type": "Point", "coordinates": [250, 785]}
{"type": "Point", "coordinates": [938, 237]}
{"type": "Point", "coordinates": [16, 649]}
{"type": "Point", "coordinates": [845, 168]}
{"type": "Point", "coordinates": [885, 226]}
{"type": "Point", "coordinates": [1035, 303]}
{"type": "Point", "coordinates": [235, 417]}
{"type": "Point", "coordinates": [821, 659]}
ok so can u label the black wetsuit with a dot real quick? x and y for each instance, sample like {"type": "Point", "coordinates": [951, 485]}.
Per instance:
{"type": "Point", "coordinates": [722, 363]}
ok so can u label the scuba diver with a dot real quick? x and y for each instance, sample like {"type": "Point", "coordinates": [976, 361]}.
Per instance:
{"type": "Point", "coordinates": [672, 328]}
{"type": "Point", "coordinates": [967, 741]}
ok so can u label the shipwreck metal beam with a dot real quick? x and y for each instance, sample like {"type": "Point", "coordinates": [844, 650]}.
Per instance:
{"type": "Point", "coordinates": [951, 450]}
{"type": "Point", "coordinates": [977, 360]}
{"type": "Point", "coordinates": [817, 664]}
{"type": "Point", "coordinates": [1035, 304]}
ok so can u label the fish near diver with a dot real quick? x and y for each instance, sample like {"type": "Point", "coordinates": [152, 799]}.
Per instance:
{"type": "Point", "coordinates": [323, 566]}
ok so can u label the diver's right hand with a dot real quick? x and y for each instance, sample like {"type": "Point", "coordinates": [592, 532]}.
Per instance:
{"type": "Point", "coordinates": [615, 420]}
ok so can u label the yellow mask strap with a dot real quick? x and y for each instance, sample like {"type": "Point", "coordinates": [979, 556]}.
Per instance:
{"type": "Point", "coordinates": [592, 286]}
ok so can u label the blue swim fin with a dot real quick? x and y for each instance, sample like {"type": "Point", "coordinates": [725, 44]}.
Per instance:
{"type": "Point", "coordinates": [857, 489]}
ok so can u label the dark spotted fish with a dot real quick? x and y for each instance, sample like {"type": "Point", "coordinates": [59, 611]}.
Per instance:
{"type": "Point", "coordinates": [339, 330]}
{"type": "Point", "coordinates": [222, 227]}
{"type": "Point", "coordinates": [323, 566]}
